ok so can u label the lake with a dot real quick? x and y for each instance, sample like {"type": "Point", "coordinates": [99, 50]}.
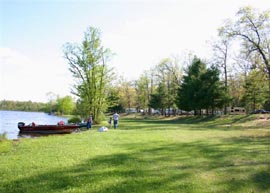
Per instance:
{"type": "Point", "coordinates": [10, 119]}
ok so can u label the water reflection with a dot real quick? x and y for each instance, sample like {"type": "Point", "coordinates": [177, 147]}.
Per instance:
{"type": "Point", "coordinates": [35, 135]}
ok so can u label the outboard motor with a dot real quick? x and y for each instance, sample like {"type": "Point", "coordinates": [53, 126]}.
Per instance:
{"type": "Point", "coordinates": [21, 124]}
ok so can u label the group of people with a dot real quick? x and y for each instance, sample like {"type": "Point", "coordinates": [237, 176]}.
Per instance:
{"type": "Point", "coordinates": [113, 120]}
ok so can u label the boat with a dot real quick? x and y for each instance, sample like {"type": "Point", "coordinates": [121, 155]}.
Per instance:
{"type": "Point", "coordinates": [60, 128]}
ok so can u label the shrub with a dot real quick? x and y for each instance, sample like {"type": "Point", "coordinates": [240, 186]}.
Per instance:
{"type": "Point", "coordinates": [75, 120]}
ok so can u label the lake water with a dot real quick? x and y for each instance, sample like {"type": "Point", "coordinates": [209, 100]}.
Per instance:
{"type": "Point", "coordinates": [10, 119]}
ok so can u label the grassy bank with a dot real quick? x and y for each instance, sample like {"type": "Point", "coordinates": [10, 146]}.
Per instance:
{"type": "Point", "coordinates": [227, 154]}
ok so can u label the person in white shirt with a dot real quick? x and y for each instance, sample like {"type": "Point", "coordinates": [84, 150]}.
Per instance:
{"type": "Point", "coordinates": [115, 120]}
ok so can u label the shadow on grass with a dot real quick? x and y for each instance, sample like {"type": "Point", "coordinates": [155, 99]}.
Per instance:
{"type": "Point", "coordinates": [173, 167]}
{"type": "Point", "coordinates": [192, 122]}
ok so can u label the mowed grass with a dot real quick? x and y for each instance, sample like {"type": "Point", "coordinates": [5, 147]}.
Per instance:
{"type": "Point", "coordinates": [227, 154]}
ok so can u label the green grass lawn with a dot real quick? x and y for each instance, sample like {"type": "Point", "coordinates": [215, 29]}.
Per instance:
{"type": "Point", "coordinates": [227, 154]}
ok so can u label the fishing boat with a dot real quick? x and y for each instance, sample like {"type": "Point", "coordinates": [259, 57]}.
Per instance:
{"type": "Point", "coordinates": [60, 128]}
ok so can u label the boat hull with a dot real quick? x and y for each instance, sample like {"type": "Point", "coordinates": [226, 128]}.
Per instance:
{"type": "Point", "coordinates": [48, 129]}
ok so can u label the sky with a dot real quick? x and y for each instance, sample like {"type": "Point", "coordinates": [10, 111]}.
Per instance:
{"type": "Point", "coordinates": [140, 33]}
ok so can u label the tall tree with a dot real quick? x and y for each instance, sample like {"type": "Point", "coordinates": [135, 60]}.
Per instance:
{"type": "Point", "coordinates": [189, 92]}
{"type": "Point", "coordinates": [143, 89]}
{"type": "Point", "coordinates": [255, 87]}
{"type": "Point", "coordinates": [221, 51]}
{"type": "Point", "coordinates": [201, 88]}
{"type": "Point", "coordinates": [253, 29]}
{"type": "Point", "coordinates": [254, 83]}
{"type": "Point", "coordinates": [168, 75]}
{"type": "Point", "coordinates": [126, 90]}
{"type": "Point", "coordinates": [88, 65]}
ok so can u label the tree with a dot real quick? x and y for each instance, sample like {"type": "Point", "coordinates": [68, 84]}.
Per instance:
{"type": "Point", "coordinates": [113, 100]}
{"type": "Point", "coordinates": [253, 29]}
{"type": "Point", "coordinates": [88, 65]}
{"type": "Point", "coordinates": [212, 91]}
{"type": "Point", "coordinates": [168, 75]}
{"type": "Point", "coordinates": [158, 99]}
{"type": "Point", "coordinates": [189, 93]}
{"type": "Point", "coordinates": [128, 96]}
{"type": "Point", "coordinates": [143, 89]}
{"type": "Point", "coordinates": [255, 87]}
{"type": "Point", "coordinates": [201, 88]}
{"type": "Point", "coordinates": [65, 105]}
{"type": "Point", "coordinates": [127, 93]}
{"type": "Point", "coordinates": [23, 106]}
{"type": "Point", "coordinates": [221, 49]}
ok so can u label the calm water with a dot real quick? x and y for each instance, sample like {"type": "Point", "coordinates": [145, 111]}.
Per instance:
{"type": "Point", "coordinates": [10, 119]}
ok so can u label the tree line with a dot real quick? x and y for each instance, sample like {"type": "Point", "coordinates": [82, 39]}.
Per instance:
{"type": "Point", "coordinates": [56, 105]}
{"type": "Point", "coordinates": [230, 78]}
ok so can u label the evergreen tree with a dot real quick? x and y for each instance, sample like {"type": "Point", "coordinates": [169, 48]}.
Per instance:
{"type": "Point", "coordinates": [201, 88]}
{"type": "Point", "coordinates": [189, 95]}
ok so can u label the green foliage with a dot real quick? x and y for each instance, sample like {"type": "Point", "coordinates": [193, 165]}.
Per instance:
{"type": "Point", "coordinates": [81, 108]}
{"type": "Point", "coordinates": [143, 89]}
{"type": "Point", "coordinates": [158, 99]}
{"type": "Point", "coordinates": [101, 117]}
{"type": "Point", "coordinates": [255, 90]}
{"type": "Point", "coordinates": [201, 88]}
{"type": "Point", "coordinates": [127, 92]}
{"type": "Point", "coordinates": [88, 65]}
{"type": "Point", "coordinates": [189, 96]}
{"type": "Point", "coordinates": [65, 105]}
{"type": "Point", "coordinates": [168, 76]}
{"type": "Point", "coordinates": [155, 101]}
{"type": "Point", "coordinates": [22, 106]}
{"type": "Point", "coordinates": [113, 101]}
{"type": "Point", "coordinates": [74, 120]}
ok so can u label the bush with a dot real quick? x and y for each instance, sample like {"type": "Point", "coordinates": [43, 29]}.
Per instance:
{"type": "Point", "coordinates": [75, 120]}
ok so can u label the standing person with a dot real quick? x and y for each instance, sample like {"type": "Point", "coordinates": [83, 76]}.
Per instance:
{"type": "Point", "coordinates": [115, 120]}
{"type": "Point", "coordinates": [89, 122]}
{"type": "Point", "coordinates": [110, 122]}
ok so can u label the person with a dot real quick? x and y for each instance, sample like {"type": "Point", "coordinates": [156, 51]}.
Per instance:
{"type": "Point", "coordinates": [61, 123]}
{"type": "Point", "coordinates": [115, 120]}
{"type": "Point", "coordinates": [110, 122]}
{"type": "Point", "coordinates": [89, 122]}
